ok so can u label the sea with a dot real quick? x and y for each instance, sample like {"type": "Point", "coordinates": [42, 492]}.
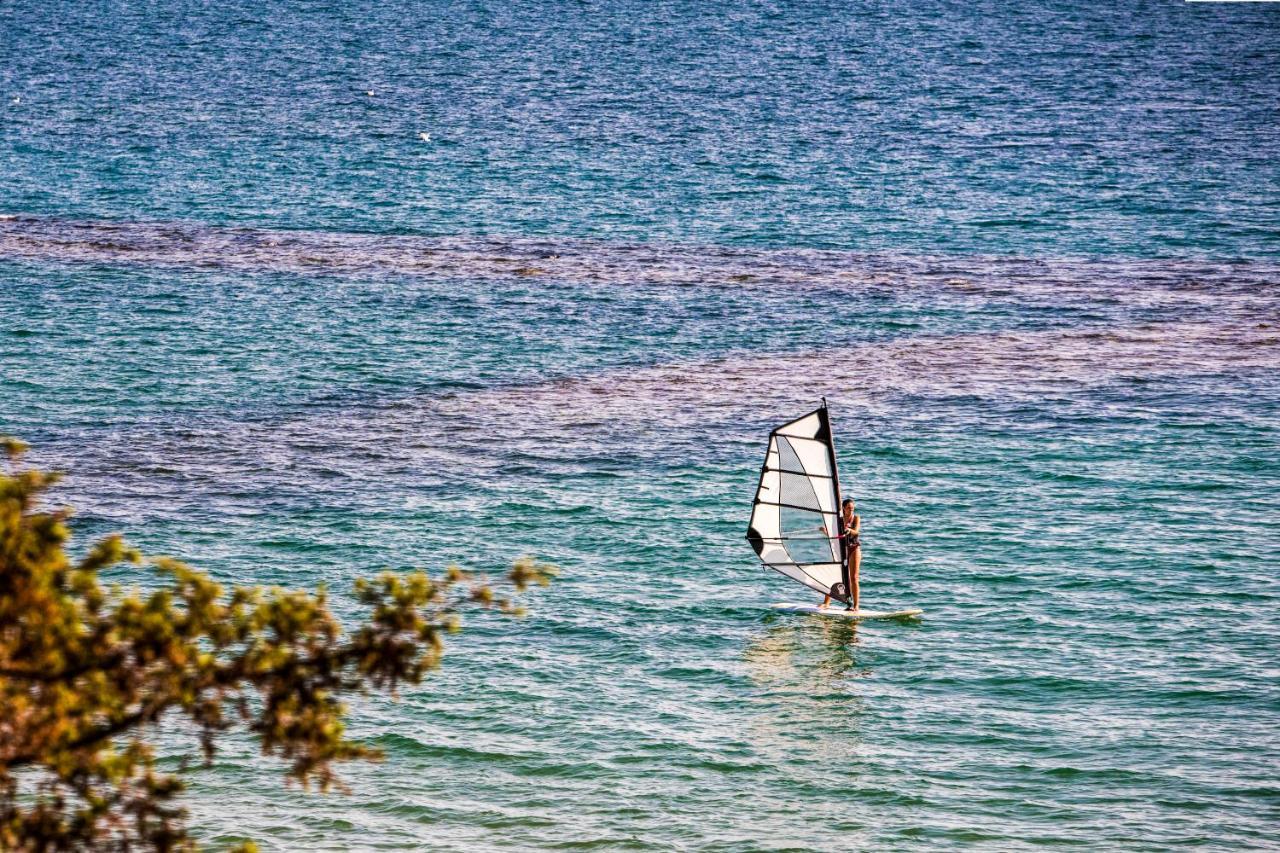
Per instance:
{"type": "Point", "coordinates": [299, 291]}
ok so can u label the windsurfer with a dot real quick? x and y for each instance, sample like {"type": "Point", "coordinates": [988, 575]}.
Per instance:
{"type": "Point", "coordinates": [851, 533]}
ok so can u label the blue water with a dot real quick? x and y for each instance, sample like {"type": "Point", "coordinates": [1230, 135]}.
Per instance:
{"type": "Point", "coordinates": [1030, 256]}
{"type": "Point", "coordinates": [1146, 129]}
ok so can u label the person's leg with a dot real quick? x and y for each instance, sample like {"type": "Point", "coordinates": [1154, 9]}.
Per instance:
{"type": "Point", "coordinates": [848, 571]}
{"type": "Point", "coordinates": [853, 575]}
{"type": "Point", "coordinates": [826, 600]}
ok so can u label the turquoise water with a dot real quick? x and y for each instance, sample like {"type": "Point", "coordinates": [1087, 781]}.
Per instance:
{"type": "Point", "coordinates": [1030, 258]}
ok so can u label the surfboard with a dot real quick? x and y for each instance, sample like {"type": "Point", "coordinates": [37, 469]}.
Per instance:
{"type": "Point", "coordinates": [837, 612]}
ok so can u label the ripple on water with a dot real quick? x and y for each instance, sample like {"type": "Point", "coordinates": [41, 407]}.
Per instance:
{"type": "Point", "coordinates": [1070, 466]}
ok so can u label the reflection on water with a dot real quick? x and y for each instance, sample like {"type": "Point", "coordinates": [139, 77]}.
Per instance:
{"type": "Point", "coordinates": [810, 651]}
{"type": "Point", "coordinates": [809, 707]}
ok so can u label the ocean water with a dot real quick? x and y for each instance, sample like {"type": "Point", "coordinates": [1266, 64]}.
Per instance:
{"type": "Point", "coordinates": [1031, 257]}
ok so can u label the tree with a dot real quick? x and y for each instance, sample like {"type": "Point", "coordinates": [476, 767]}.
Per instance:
{"type": "Point", "coordinates": [85, 671]}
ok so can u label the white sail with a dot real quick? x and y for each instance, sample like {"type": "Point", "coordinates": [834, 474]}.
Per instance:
{"type": "Point", "coordinates": [795, 518]}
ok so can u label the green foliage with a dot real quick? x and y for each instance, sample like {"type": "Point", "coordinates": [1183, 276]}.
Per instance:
{"type": "Point", "coordinates": [84, 671]}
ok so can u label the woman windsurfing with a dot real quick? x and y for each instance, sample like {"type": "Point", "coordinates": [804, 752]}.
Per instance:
{"type": "Point", "coordinates": [851, 533]}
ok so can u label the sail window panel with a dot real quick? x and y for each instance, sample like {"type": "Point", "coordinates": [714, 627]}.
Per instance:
{"type": "Point", "coordinates": [797, 490]}
{"type": "Point", "coordinates": [788, 459]}
{"type": "Point", "coordinates": [804, 535]}
{"type": "Point", "coordinates": [800, 455]}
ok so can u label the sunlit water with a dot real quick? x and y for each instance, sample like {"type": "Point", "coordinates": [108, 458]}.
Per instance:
{"type": "Point", "coordinates": [1030, 259]}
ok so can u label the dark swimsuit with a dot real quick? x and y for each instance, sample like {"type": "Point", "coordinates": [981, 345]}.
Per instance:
{"type": "Point", "coordinates": [851, 540]}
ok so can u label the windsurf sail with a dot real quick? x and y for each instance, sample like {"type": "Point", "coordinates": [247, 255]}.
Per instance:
{"type": "Point", "coordinates": [795, 519]}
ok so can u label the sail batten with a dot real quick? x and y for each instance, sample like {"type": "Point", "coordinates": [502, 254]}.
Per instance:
{"type": "Point", "coordinates": [795, 515]}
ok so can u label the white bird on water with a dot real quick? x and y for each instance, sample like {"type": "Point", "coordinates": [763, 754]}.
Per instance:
{"type": "Point", "coordinates": [424, 136]}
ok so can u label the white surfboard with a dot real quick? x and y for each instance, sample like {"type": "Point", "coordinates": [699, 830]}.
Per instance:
{"type": "Point", "coordinates": [837, 611]}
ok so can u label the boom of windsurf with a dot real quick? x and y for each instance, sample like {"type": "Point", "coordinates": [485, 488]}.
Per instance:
{"type": "Point", "coordinates": [795, 518]}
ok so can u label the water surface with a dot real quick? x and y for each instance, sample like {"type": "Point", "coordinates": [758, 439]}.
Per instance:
{"type": "Point", "coordinates": [1029, 256]}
